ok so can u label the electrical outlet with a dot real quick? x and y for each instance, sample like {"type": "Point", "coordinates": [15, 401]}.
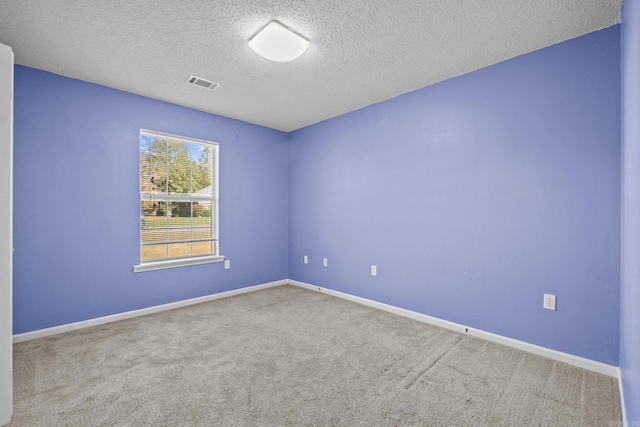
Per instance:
{"type": "Point", "coordinates": [374, 270]}
{"type": "Point", "coordinates": [305, 259]}
{"type": "Point", "coordinates": [549, 302]}
{"type": "Point", "coordinates": [325, 262]}
{"type": "Point", "coordinates": [227, 264]}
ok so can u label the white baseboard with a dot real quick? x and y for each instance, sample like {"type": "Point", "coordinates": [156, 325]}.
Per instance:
{"type": "Point", "coordinates": [625, 423]}
{"type": "Point", "coordinates": [592, 365]}
{"type": "Point", "coordinates": [40, 333]}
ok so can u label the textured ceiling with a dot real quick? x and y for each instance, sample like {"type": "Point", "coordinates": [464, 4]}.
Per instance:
{"type": "Point", "coordinates": [362, 51]}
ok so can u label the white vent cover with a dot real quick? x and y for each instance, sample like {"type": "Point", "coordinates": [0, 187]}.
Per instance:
{"type": "Point", "coordinates": [199, 81]}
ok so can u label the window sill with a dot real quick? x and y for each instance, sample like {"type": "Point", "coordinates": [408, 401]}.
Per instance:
{"type": "Point", "coordinates": [183, 262]}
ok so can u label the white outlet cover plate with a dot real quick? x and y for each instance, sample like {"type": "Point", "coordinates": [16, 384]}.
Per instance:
{"type": "Point", "coordinates": [305, 259]}
{"type": "Point", "coordinates": [325, 262]}
{"type": "Point", "coordinates": [374, 270]}
{"type": "Point", "coordinates": [549, 302]}
{"type": "Point", "coordinates": [227, 264]}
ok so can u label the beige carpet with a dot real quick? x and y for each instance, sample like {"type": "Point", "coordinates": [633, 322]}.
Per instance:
{"type": "Point", "coordinates": [286, 356]}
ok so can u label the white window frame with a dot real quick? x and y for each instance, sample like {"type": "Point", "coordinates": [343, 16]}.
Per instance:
{"type": "Point", "coordinates": [195, 259]}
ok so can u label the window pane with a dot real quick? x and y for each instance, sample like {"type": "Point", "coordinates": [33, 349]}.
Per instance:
{"type": "Point", "coordinates": [202, 159]}
{"type": "Point", "coordinates": [153, 165]}
{"type": "Point", "coordinates": [154, 252]}
{"type": "Point", "coordinates": [153, 220]}
{"type": "Point", "coordinates": [153, 228]}
{"type": "Point", "coordinates": [179, 250]}
{"type": "Point", "coordinates": [179, 167]}
{"type": "Point", "coordinates": [202, 220]}
{"type": "Point", "coordinates": [202, 248]}
{"type": "Point", "coordinates": [180, 221]}
{"type": "Point", "coordinates": [158, 225]}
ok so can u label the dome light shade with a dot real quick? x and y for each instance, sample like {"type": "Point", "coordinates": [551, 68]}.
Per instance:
{"type": "Point", "coordinates": [276, 42]}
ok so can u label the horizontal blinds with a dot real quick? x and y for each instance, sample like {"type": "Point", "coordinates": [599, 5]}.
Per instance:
{"type": "Point", "coordinates": [178, 196]}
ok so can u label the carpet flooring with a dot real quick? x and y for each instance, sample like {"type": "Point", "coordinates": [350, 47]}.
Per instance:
{"type": "Point", "coordinates": [287, 356]}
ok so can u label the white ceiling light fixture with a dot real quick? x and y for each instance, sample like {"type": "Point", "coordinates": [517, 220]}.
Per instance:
{"type": "Point", "coordinates": [276, 42]}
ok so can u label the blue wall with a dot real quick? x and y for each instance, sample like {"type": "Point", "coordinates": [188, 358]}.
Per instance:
{"type": "Point", "coordinates": [76, 199]}
{"type": "Point", "coordinates": [630, 263]}
{"type": "Point", "coordinates": [475, 196]}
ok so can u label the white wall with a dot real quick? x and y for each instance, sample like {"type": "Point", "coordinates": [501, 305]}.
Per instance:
{"type": "Point", "coordinates": [6, 231]}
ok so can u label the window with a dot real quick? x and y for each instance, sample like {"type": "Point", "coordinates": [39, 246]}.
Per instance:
{"type": "Point", "coordinates": [178, 201]}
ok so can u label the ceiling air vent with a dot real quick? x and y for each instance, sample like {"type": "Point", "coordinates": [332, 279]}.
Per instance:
{"type": "Point", "coordinates": [199, 81]}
